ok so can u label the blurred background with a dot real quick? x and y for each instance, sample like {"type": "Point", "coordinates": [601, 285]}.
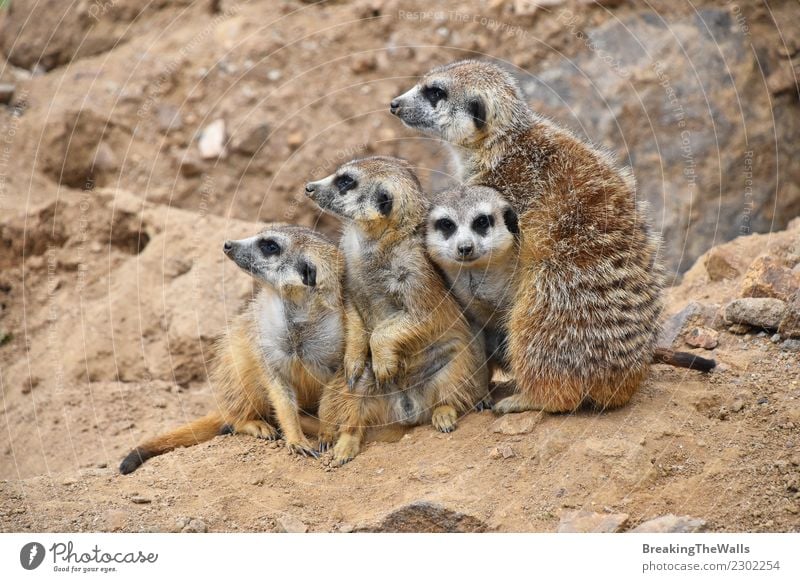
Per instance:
{"type": "Point", "coordinates": [135, 137]}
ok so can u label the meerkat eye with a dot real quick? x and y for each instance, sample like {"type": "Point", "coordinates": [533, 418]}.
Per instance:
{"type": "Point", "coordinates": [482, 223]}
{"type": "Point", "coordinates": [345, 182]}
{"type": "Point", "coordinates": [445, 226]}
{"type": "Point", "coordinates": [434, 94]}
{"type": "Point", "coordinates": [269, 247]}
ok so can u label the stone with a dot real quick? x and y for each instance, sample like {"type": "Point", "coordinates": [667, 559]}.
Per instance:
{"type": "Point", "coordinates": [512, 424]}
{"type": "Point", "coordinates": [761, 312]}
{"type": "Point", "coordinates": [791, 345]}
{"type": "Point", "coordinates": [673, 327]}
{"type": "Point", "coordinates": [501, 452]}
{"type": "Point", "coordinates": [790, 324]}
{"type": "Point", "coordinates": [169, 118]}
{"type": "Point", "coordinates": [116, 520]}
{"type": "Point", "coordinates": [195, 526]}
{"type": "Point", "coordinates": [7, 91]}
{"type": "Point", "coordinates": [580, 521]}
{"type": "Point", "coordinates": [766, 277]}
{"type": "Point", "coordinates": [719, 263]}
{"type": "Point", "coordinates": [291, 524]}
{"type": "Point", "coordinates": [140, 499]}
{"type": "Point", "coordinates": [739, 329]}
{"type": "Point", "coordinates": [295, 140]}
{"type": "Point", "coordinates": [249, 141]}
{"type": "Point", "coordinates": [702, 337]}
{"type": "Point", "coordinates": [212, 140]}
{"type": "Point", "coordinates": [189, 163]}
{"type": "Point", "coordinates": [671, 524]}
{"type": "Point", "coordinates": [425, 517]}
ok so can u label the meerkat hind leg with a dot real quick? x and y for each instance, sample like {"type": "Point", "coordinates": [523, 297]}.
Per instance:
{"type": "Point", "coordinates": [444, 418]}
{"type": "Point", "coordinates": [257, 428]}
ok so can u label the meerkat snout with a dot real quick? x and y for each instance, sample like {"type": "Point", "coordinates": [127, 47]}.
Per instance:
{"type": "Point", "coordinates": [394, 106]}
{"type": "Point", "coordinates": [310, 187]}
{"type": "Point", "coordinates": [227, 247]}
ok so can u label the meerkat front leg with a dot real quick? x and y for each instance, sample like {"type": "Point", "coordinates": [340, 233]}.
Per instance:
{"type": "Point", "coordinates": [284, 401]}
{"type": "Point", "coordinates": [328, 416]}
{"type": "Point", "coordinates": [387, 342]}
{"type": "Point", "coordinates": [356, 348]}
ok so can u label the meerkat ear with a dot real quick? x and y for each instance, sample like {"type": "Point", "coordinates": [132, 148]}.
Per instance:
{"type": "Point", "coordinates": [308, 273]}
{"type": "Point", "coordinates": [510, 218]}
{"type": "Point", "coordinates": [477, 109]}
{"type": "Point", "coordinates": [383, 201]}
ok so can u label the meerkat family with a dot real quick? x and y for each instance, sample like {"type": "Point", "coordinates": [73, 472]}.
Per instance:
{"type": "Point", "coordinates": [279, 354]}
{"type": "Point", "coordinates": [583, 322]}
{"type": "Point", "coordinates": [541, 264]}
{"type": "Point", "coordinates": [410, 355]}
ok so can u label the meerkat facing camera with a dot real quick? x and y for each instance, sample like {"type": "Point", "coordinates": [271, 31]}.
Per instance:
{"type": "Point", "coordinates": [587, 299]}
{"type": "Point", "coordinates": [278, 354]}
{"type": "Point", "coordinates": [472, 235]}
{"type": "Point", "coordinates": [410, 355]}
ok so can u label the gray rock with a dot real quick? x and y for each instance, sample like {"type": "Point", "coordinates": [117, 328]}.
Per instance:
{"type": "Point", "coordinates": [791, 345]}
{"type": "Point", "coordinates": [195, 526]}
{"type": "Point", "coordinates": [671, 524]}
{"type": "Point", "coordinates": [579, 521]}
{"type": "Point", "coordinates": [169, 118]}
{"type": "Point", "coordinates": [249, 141]}
{"type": "Point", "coordinates": [291, 524]}
{"type": "Point", "coordinates": [425, 517]}
{"type": "Point", "coordinates": [702, 337]}
{"type": "Point", "coordinates": [760, 312]}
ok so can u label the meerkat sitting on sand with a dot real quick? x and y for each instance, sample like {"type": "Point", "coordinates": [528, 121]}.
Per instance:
{"type": "Point", "coordinates": [410, 354]}
{"type": "Point", "coordinates": [280, 352]}
{"type": "Point", "coordinates": [472, 235]}
{"type": "Point", "coordinates": [587, 296]}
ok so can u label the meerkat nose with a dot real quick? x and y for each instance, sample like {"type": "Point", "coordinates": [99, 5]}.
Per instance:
{"type": "Point", "coordinates": [227, 247]}
{"type": "Point", "coordinates": [394, 106]}
{"type": "Point", "coordinates": [310, 187]}
{"type": "Point", "coordinates": [465, 250]}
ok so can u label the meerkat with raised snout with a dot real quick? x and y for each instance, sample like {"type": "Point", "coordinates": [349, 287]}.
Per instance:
{"type": "Point", "coordinates": [410, 355]}
{"type": "Point", "coordinates": [277, 355]}
{"type": "Point", "coordinates": [472, 235]}
{"type": "Point", "coordinates": [587, 296]}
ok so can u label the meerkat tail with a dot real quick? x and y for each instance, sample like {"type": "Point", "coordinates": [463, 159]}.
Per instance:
{"type": "Point", "coordinates": [682, 360]}
{"type": "Point", "coordinates": [193, 433]}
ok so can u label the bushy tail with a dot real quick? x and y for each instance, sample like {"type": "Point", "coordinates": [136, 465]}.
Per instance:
{"type": "Point", "coordinates": [195, 432]}
{"type": "Point", "coordinates": [682, 360]}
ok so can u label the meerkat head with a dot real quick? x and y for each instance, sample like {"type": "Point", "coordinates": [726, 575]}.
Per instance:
{"type": "Point", "coordinates": [471, 227]}
{"type": "Point", "coordinates": [376, 193]}
{"type": "Point", "coordinates": [463, 103]}
{"type": "Point", "coordinates": [289, 259]}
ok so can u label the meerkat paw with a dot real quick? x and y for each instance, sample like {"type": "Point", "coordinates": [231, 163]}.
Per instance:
{"type": "Point", "coordinates": [515, 403]}
{"type": "Point", "coordinates": [444, 418]}
{"type": "Point", "coordinates": [486, 404]}
{"type": "Point", "coordinates": [257, 428]}
{"type": "Point", "coordinates": [303, 448]}
{"type": "Point", "coordinates": [385, 369]}
{"type": "Point", "coordinates": [353, 370]}
{"type": "Point", "coordinates": [346, 449]}
{"type": "Point", "coordinates": [325, 441]}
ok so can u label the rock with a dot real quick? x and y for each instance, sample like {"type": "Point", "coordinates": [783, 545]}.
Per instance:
{"type": "Point", "coordinates": [766, 277]}
{"type": "Point", "coordinates": [791, 345]}
{"type": "Point", "coordinates": [790, 324]}
{"type": "Point", "coordinates": [580, 521]}
{"type": "Point", "coordinates": [189, 163]}
{"type": "Point", "coordinates": [719, 263]}
{"type": "Point", "coordinates": [195, 526]}
{"type": "Point", "coordinates": [502, 452]}
{"type": "Point", "coordinates": [673, 327]}
{"type": "Point", "coordinates": [6, 93]}
{"type": "Point", "coordinates": [425, 517]}
{"type": "Point", "coordinates": [530, 7]}
{"type": "Point", "coordinates": [638, 67]}
{"type": "Point", "coordinates": [511, 424]}
{"type": "Point", "coordinates": [762, 312]}
{"type": "Point", "coordinates": [776, 338]}
{"type": "Point", "coordinates": [291, 524]}
{"type": "Point", "coordinates": [212, 141]}
{"type": "Point", "coordinates": [739, 329]}
{"type": "Point", "coordinates": [702, 337]}
{"type": "Point", "coordinates": [169, 118]}
{"type": "Point", "coordinates": [737, 405]}
{"type": "Point", "coordinates": [140, 499]}
{"type": "Point", "coordinates": [671, 524]}
{"type": "Point", "coordinates": [295, 140]}
{"type": "Point", "coordinates": [116, 520]}
{"type": "Point", "coordinates": [250, 141]}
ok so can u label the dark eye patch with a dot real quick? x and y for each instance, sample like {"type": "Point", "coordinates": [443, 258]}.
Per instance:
{"type": "Point", "coordinates": [383, 200]}
{"type": "Point", "coordinates": [434, 94]}
{"type": "Point", "coordinates": [477, 109]}
{"type": "Point", "coordinates": [344, 183]}
{"type": "Point", "coordinates": [308, 273]}
{"type": "Point", "coordinates": [482, 224]}
{"type": "Point", "coordinates": [446, 226]}
{"type": "Point", "coordinates": [510, 218]}
{"type": "Point", "coordinates": [269, 247]}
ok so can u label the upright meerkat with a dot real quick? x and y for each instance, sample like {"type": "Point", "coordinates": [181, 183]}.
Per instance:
{"type": "Point", "coordinates": [584, 320]}
{"type": "Point", "coordinates": [410, 356]}
{"type": "Point", "coordinates": [472, 235]}
{"type": "Point", "coordinates": [278, 354]}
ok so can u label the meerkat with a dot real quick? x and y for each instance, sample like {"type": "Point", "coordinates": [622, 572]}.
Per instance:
{"type": "Point", "coordinates": [583, 323]}
{"type": "Point", "coordinates": [279, 353]}
{"type": "Point", "coordinates": [410, 356]}
{"type": "Point", "coordinates": [472, 235]}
